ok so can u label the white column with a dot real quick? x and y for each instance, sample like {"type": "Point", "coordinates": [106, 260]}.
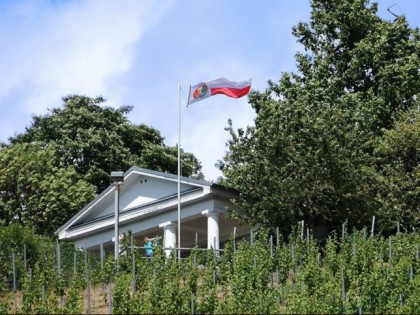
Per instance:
{"type": "Point", "coordinates": [169, 236]}
{"type": "Point", "coordinates": [213, 240]}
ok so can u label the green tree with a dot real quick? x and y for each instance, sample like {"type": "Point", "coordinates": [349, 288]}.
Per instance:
{"type": "Point", "coordinates": [97, 139]}
{"type": "Point", "coordinates": [35, 192]}
{"type": "Point", "coordinates": [399, 169]}
{"type": "Point", "coordinates": [54, 168]}
{"type": "Point", "coordinates": [311, 154]}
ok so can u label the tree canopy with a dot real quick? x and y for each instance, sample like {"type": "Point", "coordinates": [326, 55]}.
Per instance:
{"type": "Point", "coordinates": [56, 166]}
{"type": "Point", "coordinates": [324, 145]}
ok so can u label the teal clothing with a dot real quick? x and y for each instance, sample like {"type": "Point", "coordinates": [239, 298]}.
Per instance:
{"type": "Point", "coordinates": [149, 248]}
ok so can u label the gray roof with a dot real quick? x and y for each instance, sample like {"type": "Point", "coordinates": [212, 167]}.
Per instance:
{"type": "Point", "coordinates": [144, 171]}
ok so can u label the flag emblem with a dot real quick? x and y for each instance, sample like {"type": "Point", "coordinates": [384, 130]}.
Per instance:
{"type": "Point", "coordinates": [201, 91]}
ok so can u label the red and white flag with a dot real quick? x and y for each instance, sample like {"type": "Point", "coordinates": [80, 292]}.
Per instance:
{"type": "Point", "coordinates": [224, 86]}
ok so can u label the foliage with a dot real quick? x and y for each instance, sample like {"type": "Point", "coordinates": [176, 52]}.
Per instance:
{"type": "Point", "coordinates": [96, 139]}
{"type": "Point", "coordinates": [352, 273]}
{"type": "Point", "coordinates": [49, 172]}
{"type": "Point", "coordinates": [35, 192]}
{"type": "Point", "coordinates": [15, 239]}
{"type": "Point", "coordinates": [313, 152]}
{"type": "Point", "coordinates": [399, 170]}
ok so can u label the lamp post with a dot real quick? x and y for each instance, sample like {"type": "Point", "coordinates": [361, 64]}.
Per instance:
{"type": "Point", "coordinates": [117, 179]}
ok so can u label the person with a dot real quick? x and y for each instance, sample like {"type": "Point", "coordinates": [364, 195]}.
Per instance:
{"type": "Point", "coordinates": [148, 245]}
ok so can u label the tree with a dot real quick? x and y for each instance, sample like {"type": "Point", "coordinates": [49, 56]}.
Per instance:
{"type": "Point", "coordinates": [97, 140]}
{"type": "Point", "coordinates": [311, 154]}
{"type": "Point", "coordinates": [53, 169]}
{"type": "Point", "coordinates": [36, 193]}
{"type": "Point", "coordinates": [399, 170]}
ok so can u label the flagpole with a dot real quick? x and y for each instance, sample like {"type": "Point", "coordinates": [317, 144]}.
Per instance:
{"type": "Point", "coordinates": [179, 175]}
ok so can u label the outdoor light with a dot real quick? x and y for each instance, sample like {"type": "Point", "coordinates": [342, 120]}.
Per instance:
{"type": "Point", "coordinates": [117, 179]}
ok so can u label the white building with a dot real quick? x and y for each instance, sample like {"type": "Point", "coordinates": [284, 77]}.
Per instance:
{"type": "Point", "coordinates": [149, 207]}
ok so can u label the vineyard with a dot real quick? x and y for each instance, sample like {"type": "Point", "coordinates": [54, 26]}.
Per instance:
{"type": "Point", "coordinates": [348, 273]}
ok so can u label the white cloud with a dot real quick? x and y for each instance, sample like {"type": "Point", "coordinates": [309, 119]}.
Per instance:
{"type": "Point", "coordinates": [203, 134]}
{"type": "Point", "coordinates": [71, 47]}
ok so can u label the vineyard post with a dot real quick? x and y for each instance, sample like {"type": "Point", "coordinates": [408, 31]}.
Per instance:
{"type": "Point", "coordinates": [390, 247]}
{"type": "Point", "coordinates": [101, 252]}
{"type": "Point", "coordinates": [59, 268]}
{"type": "Point", "coordinates": [354, 248]}
{"type": "Point", "coordinates": [24, 255]}
{"type": "Point", "coordinates": [411, 272]}
{"type": "Point", "coordinates": [278, 236]}
{"type": "Point", "coordinates": [110, 298]}
{"type": "Point", "coordinates": [293, 264]}
{"type": "Point", "coordinates": [215, 252]}
{"type": "Point", "coordinates": [271, 246]}
{"type": "Point", "coordinates": [303, 228]}
{"type": "Point", "coordinates": [343, 231]}
{"type": "Point", "coordinates": [251, 237]}
{"type": "Point", "coordinates": [343, 288]}
{"type": "Point", "coordinates": [398, 227]}
{"type": "Point", "coordinates": [101, 248]}
{"type": "Point", "coordinates": [30, 277]}
{"type": "Point", "coordinates": [58, 257]}
{"type": "Point", "coordinates": [133, 282]}
{"type": "Point", "coordinates": [373, 226]}
{"type": "Point", "coordinates": [234, 237]}
{"type": "Point", "coordinates": [192, 304]}
{"type": "Point", "coordinates": [196, 238]}
{"type": "Point", "coordinates": [87, 281]}
{"type": "Point", "coordinates": [293, 254]}
{"type": "Point", "coordinates": [307, 240]}
{"type": "Point", "coordinates": [417, 251]}
{"type": "Point", "coordinates": [14, 280]}
{"type": "Point", "coordinates": [74, 263]}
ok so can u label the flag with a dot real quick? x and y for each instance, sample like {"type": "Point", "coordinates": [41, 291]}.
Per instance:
{"type": "Point", "coordinates": [224, 86]}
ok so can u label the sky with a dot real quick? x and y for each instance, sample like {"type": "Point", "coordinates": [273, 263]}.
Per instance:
{"type": "Point", "coordinates": [137, 52]}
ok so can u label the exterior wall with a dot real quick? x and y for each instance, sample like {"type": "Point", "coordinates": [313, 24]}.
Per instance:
{"type": "Point", "coordinates": [151, 223]}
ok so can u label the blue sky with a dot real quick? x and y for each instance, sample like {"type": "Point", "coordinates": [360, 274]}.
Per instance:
{"type": "Point", "coordinates": [136, 52]}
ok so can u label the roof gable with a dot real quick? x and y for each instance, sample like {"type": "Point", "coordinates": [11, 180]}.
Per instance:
{"type": "Point", "coordinates": [141, 187]}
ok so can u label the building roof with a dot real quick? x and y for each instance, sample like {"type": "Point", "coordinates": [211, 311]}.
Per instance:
{"type": "Point", "coordinates": [193, 190]}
